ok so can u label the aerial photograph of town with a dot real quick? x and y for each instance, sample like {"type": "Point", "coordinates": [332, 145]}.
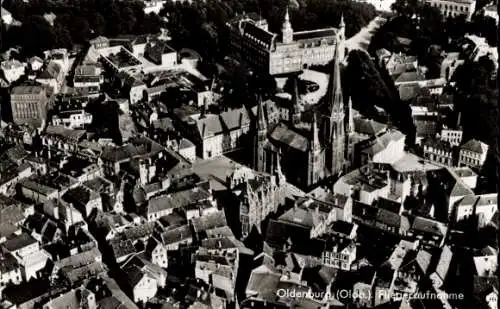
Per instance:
{"type": "Point", "coordinates": [249, 154]}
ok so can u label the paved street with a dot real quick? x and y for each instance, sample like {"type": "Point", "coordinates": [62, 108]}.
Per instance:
{"type": "Point", "coordinates": [362, 39]}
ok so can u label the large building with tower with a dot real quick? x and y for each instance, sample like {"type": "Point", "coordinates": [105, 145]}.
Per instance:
{"type": "Point", "coordinates": [309, 146]}
{"type": "Point", "coordinates": [288, 52]}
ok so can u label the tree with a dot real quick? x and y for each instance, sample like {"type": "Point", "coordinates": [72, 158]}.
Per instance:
{"type": "Point", "coordinates": [477, 100]}
{"type": "Point", "coordinates": [37, 35]}
{"type": "Point", "coordinates": [114, 27]}
{"type": "Point", "coordinates": [152, 24]}
{"type": "Point", "coordinates": [128, 20]}
{"type": "Point", "coordinates": [209, 41]}
{"type": "Point", "coordinates": [378, 90]}
{"type": "Point", "coordinates": [63, 37]}
{"type": "Point", "coordinates": [98, 23]}
{"type": "Point", "coordinates": [80, 29]}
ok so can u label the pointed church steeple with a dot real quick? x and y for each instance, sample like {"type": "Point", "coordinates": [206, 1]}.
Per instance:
{"type": "Point", "coordinates": [350, 121]}
{"type": "Point", "coordinates": [335, 128]}
{"type": "Point", "coordinates": [294, 112]}
{"type": "Point", "coordinates": [260, 138]}
{"type": "Point", "coordinates": [261, 118]}
{"type": "Point", "coordinates": [334, 91]}
{"type": "Point", "coordinates": [286, 29]}
{"type": "Point", "coordinates": [315, 145]}
{"type": "Point", "coordinates": [341, 38]}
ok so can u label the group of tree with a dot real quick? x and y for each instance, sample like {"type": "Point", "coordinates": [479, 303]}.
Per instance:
{"type": "Point", "coordinates": [425, 27]}
{"type": "Point", "coordinates": [477, 100]}
{"type": "Point", "coordinates": [75, 22]}
{"type": "Point", "coordinates": [378, 91]}
{"type": "Point", "coordinates": [202, 24]}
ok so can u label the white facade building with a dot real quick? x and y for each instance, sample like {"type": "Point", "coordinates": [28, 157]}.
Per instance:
{"type": "Point", "coordinates": [473, 154]}
{"type": "Point", "coordinates": [452, 8]}
{"type": "Point", "coordinates": [75, 119]}
{"type": "Point", "coordinates": [13, 70]}
{"type": "Point", "coordinates": [483, 205]}
{"type": "Point", "coordinates": [153, 6]}
{"type": "Point", "coordinates": [452, 136]}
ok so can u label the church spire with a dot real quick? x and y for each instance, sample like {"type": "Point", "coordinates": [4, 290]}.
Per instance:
{"type": "Point", "coordinates": [286, 29]}
{"type": "Point", "coordinates": [335, 128]}
{"type": "Point", "coordinates": [261, 118]}
{"type": "Point", "coordinates": [287, 17]}
{"type": "Point", "coordinates": [350, 121]}
{"type": "Point", "coordinates": [315, 145]}
{"type": "Point", "coordinates": [260, 138]}
{"type": "Point", "coordinates": [335, 98]}
{"type": "Point", "coordinates": [294, 112]}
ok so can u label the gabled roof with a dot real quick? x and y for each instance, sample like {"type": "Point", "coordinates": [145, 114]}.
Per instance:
{"type": "Point", "coordinates": [209, 125]}
{"type": "Point", "coordinates": [178, 199]}
{"type": "Point", "coordinates": [406, 77]}
{"type": "Point", "coordinates": [140, 146]}
{"type": "Point", "coordinates": [177, 234]}
{"type": "Point", "coordinates": [389, 218]}
{"type": "Point", "coordinates": [285, 135]}
{"type": "Point", "coordinates": [4, 12]}
{"type": "Point", "coordinates": [437, 144]}
{"type": "Point", "coordinates": [226, 243]}
{"type": "Point", "coordinates": [210, 221]}
{"type": "Point", "coordinates": [263, 284]}
{"type": "Point", "coordinates": [475, 146]}
{"type": "Point", "coordinates": [429, 226]}
{"type": "Point", "coordinates": [314, 34]}
{"type": "Point", "coordinates": [444, 262]}
{"type": "Point", "coordinates": [381, 142]}
{"type": "Point", "coordinates": [18, 242]}
{"type": "Point", "coordinates": [134, 275]}
{"type": "Point", "coordinates": [139, 231]}
{"type": "Point", "coordinates": [251, 30]}
{"type": "Point", "coordinates": [122, 248]}
{"type": "Point", "coordinates": [52, 71]}
{"type": "Point", "coordinates": [422, 258]}
{"type": "Point", "coordinates": [280, 233]}
{"type": "Point", "coordinates": [65, 134]}
{"type": "Point", "coordinates": [368, 126]}
{"type": "Point", "coordinates": [235, 119]}
{"type": "Point", "coordinates": [99, 39]}
{"type": "Point", "coordinates": [79, 259]}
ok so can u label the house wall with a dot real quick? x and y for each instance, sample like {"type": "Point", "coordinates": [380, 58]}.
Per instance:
{"type": "Point", "coordinates": [159, 256]}
{"type": "Point", "coordinates": [188, 153]}
{"type": "Point", "coordinates": [169, 60]}
{"type": "Point", "coordinates": [136, 93]}
{"type": "Point", "coordinates": [470, 181]}
{"type": "Point", "coordinates": [145, 290]}
{"type": "Point", "coordinates": [471, 159]}
{"type": "Point", "coordinates": [33, 263]}
{"type": "Point", "coordinates": [212, 146]}
{"type": "Point", "coordinates": [10, 185]}
{"type": "Point", "coordinates": [393, 152]}
{"type": "Point", "coordinates": [13, 276]}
